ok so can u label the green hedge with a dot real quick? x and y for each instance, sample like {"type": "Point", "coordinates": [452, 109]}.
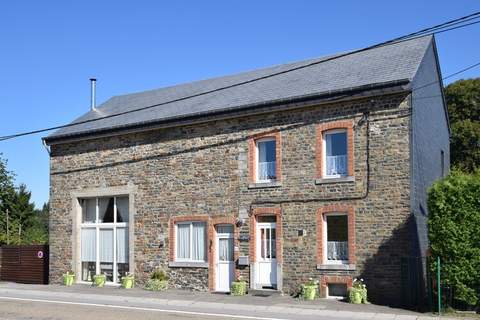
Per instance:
{"type": "Point", "coordinates": [454, 233]}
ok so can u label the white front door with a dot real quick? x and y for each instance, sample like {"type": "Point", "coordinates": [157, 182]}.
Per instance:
{"type": "Point", "coordinates": [266, 275]}
{"type": "Point", "coordinates": [224, 258]}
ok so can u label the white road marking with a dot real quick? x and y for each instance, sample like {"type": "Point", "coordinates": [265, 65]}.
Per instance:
{"type": "Point", "coordinates": [222, 315]}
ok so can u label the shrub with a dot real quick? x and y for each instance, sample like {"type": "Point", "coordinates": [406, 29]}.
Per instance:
{"type": "Point", "coordinates": [454, 232]}
{"type": "Point", "coordinates": [156, 285]}
{"type": "Point", "coordinates": [239, 287]}
{"type": "Point", "coordinates": [158, 281]}
{"type": "Point", "coordinates": [159, 275]}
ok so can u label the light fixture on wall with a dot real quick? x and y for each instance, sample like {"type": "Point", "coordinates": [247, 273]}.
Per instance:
{"type": "Point", "coordinates": [239, 222]}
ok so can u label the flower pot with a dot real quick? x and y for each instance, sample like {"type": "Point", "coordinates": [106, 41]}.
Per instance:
{"type": "Point", "coordinates": [99, 280]}
{"type": "Point", "coordinates": [239, 288]}
{"type": "Point", "coordinates": [309, 292]}
{"type": "Point", "coordinates": [68, 279]}
{"type": "Point", "coordinates": [355, 296]}
{"type": "Point", "coordinates": [128, 282]}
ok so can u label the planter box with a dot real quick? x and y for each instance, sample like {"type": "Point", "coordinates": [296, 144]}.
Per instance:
{"type": "Point", "coordinates": [68, 279]}
{"type": "Point", "coordinates": [128, 282]}
{"type": "Point", "coordinates": [309, 292]}
{"type": "Point", "coordinates": [99, 280]}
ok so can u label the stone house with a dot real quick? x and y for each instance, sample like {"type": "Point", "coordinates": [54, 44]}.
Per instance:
{"type": "Point", "coordinates": [313, 169]}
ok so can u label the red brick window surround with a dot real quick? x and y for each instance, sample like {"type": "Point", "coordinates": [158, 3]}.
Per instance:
{"type": "Point", "coordinates": [334, 279]}
{"type": "Point", "coordinates": [173, 234]}
{"type": "Point", "coordinates": [277, 212]}
{"type": "Point", "coordinates": [322, 130]}
{"type": "Point", "coordinates": [322, 214]}
{"type": "Point", "coordinates": [253, 155]}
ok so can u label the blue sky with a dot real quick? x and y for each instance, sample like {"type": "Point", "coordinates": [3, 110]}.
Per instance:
{"type": "Point", "coordinates": [49, 50]}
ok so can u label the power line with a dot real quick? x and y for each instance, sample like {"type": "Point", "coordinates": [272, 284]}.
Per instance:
{"type": "Point", "coordinates": [443, 27]}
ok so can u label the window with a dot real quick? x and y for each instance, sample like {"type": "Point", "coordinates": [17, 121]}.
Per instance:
{"type": "Point", "coordinates": [337, 290]}
{"type": "Point", "coordinates": [191, 241]}
{"type": "Point", "coordinates": [104, 237]}
{"type": "Point", "coordinates": [336, 238]}
{"type": "Point", "coordinates": [266, 160]}
{"type": "Point", "coordinates": [335, 153]}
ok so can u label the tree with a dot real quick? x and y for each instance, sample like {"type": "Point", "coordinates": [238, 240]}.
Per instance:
{"type": "Point", "coordinates": [465, 145]}
{"type": "Point", "coordinates": [454, 232]}
{"type": "Point", "coordinates": [26, 225]}
{"type": "Point", "coordinates": [463, 102]}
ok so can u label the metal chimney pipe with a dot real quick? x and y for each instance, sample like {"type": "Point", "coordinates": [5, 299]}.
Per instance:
{"type": "Point", "coordinates": [93, 83]}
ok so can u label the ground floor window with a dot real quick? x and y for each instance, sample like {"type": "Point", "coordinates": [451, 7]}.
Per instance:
{"type": "Point", "coordinates": [337, 290]}
{"type": "Point", "coordinates": [191, 241]}
{"type": "Point", "coordinates": [336, 226]}
{"type": "Point", "coordinates": [104, 237]}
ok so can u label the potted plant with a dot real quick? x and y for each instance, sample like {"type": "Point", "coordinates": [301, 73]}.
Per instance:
{"type": "Point", "coordinates": [99, 280]}
{"type": "Point", "coordinates": [309, 289]}
{"type": "Point", "coordinates": [358, 292]}
{"type": "Point", "coordinates": [239, 287]}
{"type": "Point", "coordinates": [128, 280]}
{"type": "Point", "coordinates": [69, 278]}
{"type": "Point", "coordinates": [158, 281]}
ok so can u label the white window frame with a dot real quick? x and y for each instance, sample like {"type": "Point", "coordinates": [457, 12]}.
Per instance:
{"type": "Point", "coordinates": [191, 241]}
{"type": "Point", "coordinates": [257, 159]}
{"type": "Point", "coordinates": [108, 225]}
{"type": "Point", "coordinates": [325, 238]}
{"type": "Point", "coordinates": [324, 152]}
{"type": "Point", "coordinates": [334, 297]}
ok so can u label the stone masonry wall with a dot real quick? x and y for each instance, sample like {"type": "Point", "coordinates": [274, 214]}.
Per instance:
{"type": "Point", "coordinates": [204, 170]}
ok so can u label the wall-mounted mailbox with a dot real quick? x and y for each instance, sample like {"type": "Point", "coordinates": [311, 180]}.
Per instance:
{"type": "Point", "coordinates": [243, 261]}
{"type": "Point", "coordinates": [244, 237]}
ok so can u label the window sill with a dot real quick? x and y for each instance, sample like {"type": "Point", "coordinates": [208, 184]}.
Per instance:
{"type": "Point", "coordinates": [346, 267]}
{"type": "Point", "coordinates": [259, 185]}
{"type": "Point", "coordinates": [335, 180]}
{"type": "Point", "coordinates": [187, 264]}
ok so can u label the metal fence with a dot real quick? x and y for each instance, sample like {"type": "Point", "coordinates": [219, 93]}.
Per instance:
{"type": "Point", "coordinates": [420, 289]}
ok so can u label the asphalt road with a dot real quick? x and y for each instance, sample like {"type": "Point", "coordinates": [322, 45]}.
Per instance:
{"type": "Point", "coordinates": [22, 310]}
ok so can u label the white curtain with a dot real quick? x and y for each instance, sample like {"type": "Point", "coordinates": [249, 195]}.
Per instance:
{"type": "Point", "coordinates": [337, 250]}
{"type": "Point", "coordinates": [122, 209]}
{"type": "Point", "coordinates": [198, 243]}
{"type": "Point", "coordinates": [336, 154]}
{"type": "Point", "coordinates": [89, 253]}
{"type": "Point", "coordinates": [225, 249]}
{"type": "Point", "coordinates": [106, 245]}
{"type": "Point", "coordinates": [183, 241]}
{"type": "Point", "coordinates": [122, 245]}
{"type": "Point", "coordinates": [266, 160]}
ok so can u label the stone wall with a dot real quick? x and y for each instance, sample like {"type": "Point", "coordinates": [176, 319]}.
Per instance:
{"type": "Point", "coordinates": [204, 170]}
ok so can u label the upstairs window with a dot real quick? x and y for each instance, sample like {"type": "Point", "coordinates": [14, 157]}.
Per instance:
{"type": "Point", "coordinates": [335, 150]}
{"type": "Point", "coordinates": [335, 154]}
{"type": "Point", "coordinates": [266, 160]}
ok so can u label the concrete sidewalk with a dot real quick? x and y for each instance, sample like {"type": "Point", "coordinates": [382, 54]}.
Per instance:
{"type": "Point", "coordinates": [275, 306]}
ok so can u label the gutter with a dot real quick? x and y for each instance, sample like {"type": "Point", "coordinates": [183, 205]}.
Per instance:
{"type": "Point", "coordinates": [396, 86]}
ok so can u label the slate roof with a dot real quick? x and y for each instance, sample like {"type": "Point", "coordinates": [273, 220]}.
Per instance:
{"type": "Point", "coordinates": [381, 65]}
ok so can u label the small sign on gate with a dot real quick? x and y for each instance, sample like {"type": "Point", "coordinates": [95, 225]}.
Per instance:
{"type": "Point", "coordinates": [40, 254]}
